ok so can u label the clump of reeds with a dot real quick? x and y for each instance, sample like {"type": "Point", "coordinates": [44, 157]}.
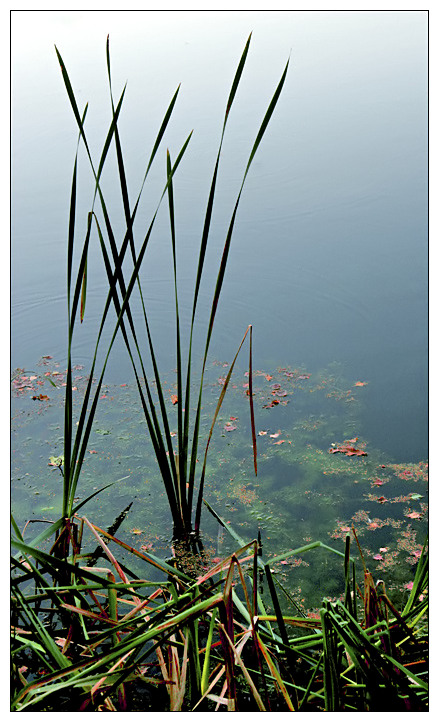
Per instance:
{"type": "Point", "coordinates": [177, 467]}
{"type": "Point", "coordinates": [101, 638]}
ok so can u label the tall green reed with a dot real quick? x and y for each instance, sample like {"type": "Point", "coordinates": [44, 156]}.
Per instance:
{"type": "Point", "coordinates": [177, 468]}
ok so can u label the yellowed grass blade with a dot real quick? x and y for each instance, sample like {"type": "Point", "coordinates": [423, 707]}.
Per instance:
{"type": "Point", "coordinates": [274, 671]}
{"type": "Point", "coordinates": [249, 680]}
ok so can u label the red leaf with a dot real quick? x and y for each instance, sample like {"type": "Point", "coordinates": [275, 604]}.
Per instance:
{"type": "Point", "coordinates": [271, 404]}
{"type": "Point", "coordinates": [414, 515]}
{"type": "Point", "coordinates": [350, 451]}
{"type": "Point", "coordinates": [347, 450]}
{"type": "Point", "coordinates": [174, 399]}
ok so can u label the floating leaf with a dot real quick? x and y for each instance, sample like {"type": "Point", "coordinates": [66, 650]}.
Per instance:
{"type": "Point", "coordinates": [56, 460]}
{"type": "Point", "coordinates": [40, 397]}
{"type": "Point", "coordinates": [414, 515]}
{"type": "Point", "coordinates": [174, 399]}
{"type": "Point", "coordinates": [360, 383]}
{"type": "Point", "coordinates": [346, 449]}
{"type": "Point", "coordinates": [272, 403]}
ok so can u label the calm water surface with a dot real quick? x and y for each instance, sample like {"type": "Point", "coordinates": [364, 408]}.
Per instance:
{"type": "Point", "coordinates": [329, 255]}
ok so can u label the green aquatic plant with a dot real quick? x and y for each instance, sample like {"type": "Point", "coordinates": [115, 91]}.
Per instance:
{"type": "Point", "coordinates": [102, 638]}
{"type": "Point", "coordinates": [177, 466]}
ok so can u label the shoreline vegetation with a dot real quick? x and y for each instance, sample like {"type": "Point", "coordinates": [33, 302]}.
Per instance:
{"type": "Point", "coordinates": [100, 622]}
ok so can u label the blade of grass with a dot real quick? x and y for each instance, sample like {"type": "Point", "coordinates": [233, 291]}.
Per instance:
{"type": "Point", "coordinates": [83, 291]}
{"type": "Point", "coordinates": [275, 672]}
{"type": "Point", "coordinates": [238, 660]}
{"type": "Point", "coordinates": [218, 407]}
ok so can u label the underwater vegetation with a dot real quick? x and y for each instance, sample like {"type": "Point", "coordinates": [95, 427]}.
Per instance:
{"type": "Point", "coordinates": [304, 490]}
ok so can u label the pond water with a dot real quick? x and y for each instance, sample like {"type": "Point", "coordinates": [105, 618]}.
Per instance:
{"type": "Point", "coordinates": [328, 262]}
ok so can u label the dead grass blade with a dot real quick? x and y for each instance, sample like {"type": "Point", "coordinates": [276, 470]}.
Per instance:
{"type": "Point", "coordinates": [238, 660]}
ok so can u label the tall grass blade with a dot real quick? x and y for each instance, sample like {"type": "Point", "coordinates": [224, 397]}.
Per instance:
{"type": "Point", "coordinates": [206, 663]}
{"type": "Point", "coordinates": [218, 407]}
{"type": "Point", "coordinates": [275, 672]}
{"type": "Point", "coordinates": [83, 291]}
{"type": "Point", "coordinates": [208, 215]}
{"type": "Point", "coordinates": [420, 581]}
